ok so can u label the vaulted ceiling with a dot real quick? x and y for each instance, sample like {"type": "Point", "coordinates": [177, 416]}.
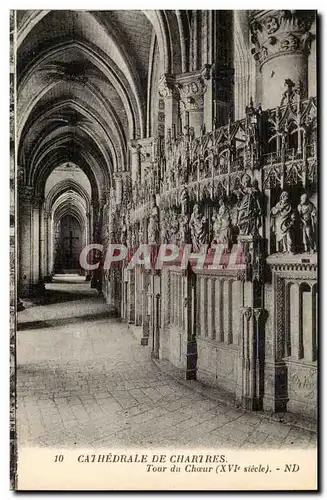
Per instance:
{"type": "Point", "coordinates": [83, 85]}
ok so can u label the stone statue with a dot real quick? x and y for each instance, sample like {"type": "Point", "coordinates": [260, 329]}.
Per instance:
{"type": "Point", "coordinates": [133, 237]}
{"type": "Point", "coordinates": [198, 228]}
{"type": "Point", "coordinates": [222, 231]}
{"type": "Point", "coordinates": [249, 208]}
{"type": "Point", "coordinates": [164, 227]}
{"type": "Point", "coordinates": [184, 228]}
{"type": "Point", "coordinates": [184, 218]}
{"type": "Point", "coordinates": [184, 199]}
{"type": "Point", "coordinates": [284, 221]}
{"type": "Point", "coordinates": [141, 233]}
{"type": "Point", "coordinates": [173, 228]}
{"type": "Point", "coordinates": [154, 222]}
{"type": "Point", "coordinates": [308, 217]}
{"type": "Point", "coordinates": [123, 236]}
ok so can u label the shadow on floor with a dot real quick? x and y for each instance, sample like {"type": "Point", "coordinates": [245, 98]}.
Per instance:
{"type": "Point", "coordinates": [55, 296]}
{"type": "Point", "coordinates": [52, 323]}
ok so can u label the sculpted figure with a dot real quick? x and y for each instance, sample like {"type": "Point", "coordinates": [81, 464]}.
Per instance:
{"type": "Point", "coordinates": [174, 227]}
{"type": "Point", "coordinates": [308, 216]}
{"type": "Point", "coordinates": [123, 236]}
{"type": "Point", "coordinates": [153, 226]}
{"type": "Point", "coordinates": [222, 231]}
{"type": "Point", "coordinates": [198, 228]}
{"type": "Point", "coordinates": [184, 218]}
{"type": "Point", "coordinates": [165, 227]}
{"type": "Point", "coordinates": [249, 208]}
{"type": "Point", "coordinates": [284, 220]}
{"type": "Point", "coordinates": [133, 237]}
{"type": "Point", "coordinates": [141, 233]}
{"type": "Point", "coordinates": [183, 234]}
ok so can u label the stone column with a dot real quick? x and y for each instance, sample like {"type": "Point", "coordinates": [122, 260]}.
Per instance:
{"type": "Point", "coordinates": [189, 304]}
{"type": "Point", "coordinates": [119, 189]}
{"type": "Point", "coordinates": [43, 243]}
{"type": "Point", "coordinates": [131, 313]}
{"type": "Point", "coordinates": [25, 195]}
{"type": "Point", "coordinates": [135, 161]}
{"type": "Point", "coordinates": [250, 385]}
{"type": "Point", "coordinates": [29, 242]}
{"type": "Point", "coordinates": [47, 246]}
{"type": "Point", "coordinates": [170, 94]}
{"type": "Point", "coordinates": [192, 88]}
{"type": "Point", "coordinates": [281, 41]}
{"type": "Point", "coordinates": [145, 277]}
{"type": "Point", "coordinates": [37, 244]}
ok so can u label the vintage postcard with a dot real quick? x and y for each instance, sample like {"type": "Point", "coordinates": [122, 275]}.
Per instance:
{"type": "Point", "coordinates": [163, 249]}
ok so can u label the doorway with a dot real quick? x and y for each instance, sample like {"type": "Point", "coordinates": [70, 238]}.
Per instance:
{"type": "Point", "coordinates": [70, 243]}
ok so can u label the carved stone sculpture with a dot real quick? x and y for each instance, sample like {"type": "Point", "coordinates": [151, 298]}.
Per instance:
{"type": "Point", "coordinates": [123, 236]}
{"type": "Point", "coordinates": [170, 227]}
{"type": "Point", "coordinates": [133, 237]}
{"type": "Point", "coordinates": [183, 234]}
{"type": "Point", "coordinates": [222, 230]}
{"type": "Point", "coordinates": [173, 227]}
{"type": "Point", "coordinates": [308, 217]}
{"type": "Point", "coordinates": [198, 228]}
{"type": "Point", "coordinates": [284, 221]}
{"type": "Point", "coordinates": [154, 223]}
{"type": "Point", "coordinates": [249, 208]}
{"type": "Point", "coordinates": [141, 233]}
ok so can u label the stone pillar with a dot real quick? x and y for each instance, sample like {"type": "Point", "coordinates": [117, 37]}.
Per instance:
{"type": "Point", "coordinates": [252, 327]}
{"type": "Point", "coordinates": [25, 195]}
{"type": "Point", "coordinates": [119, 189]}
{"type": "Point", "coordinates": [155, 318]}
{"type": "Point", "coordinates": [135, 162]}
{"type": "Point", "coordinates": [131, 296]}
{"type": "Point", "coordinates": [207, 58]}
{"type": "Point", "coordinates": [251, 359]}
{"type": "Point", "coordinates": [145, 276]}
{"type": "Point", "coordinates": [47, 246]}
{"type": "Point", "coordinates": [282, 43]}
{"type": "Point", "coordinates": [192, 88]}
{"type": "Point", "coordinates": [43, 244]}
{"type": "Point", "coordinates": [189, 304]}
{"type": "Point", "coordinates": [29, 282]}
{"type": "Point", "coordinates": [170, 94]}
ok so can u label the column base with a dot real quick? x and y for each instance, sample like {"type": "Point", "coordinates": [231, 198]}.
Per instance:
{"type": "Point", "coordinates": [32, 290]}
{"type": "Point", "coordinates": [252, 403]}
{"type": "Point", "coordinates": [19, 306]}
{"type": "Point", "coordinates": [144, 341]}
{"type": "Point", "coordinates": [155, 355]}
{"type": "Point", "coordinates": [191, 361]}
{"type": "Point", "coordinates": [276, 398]}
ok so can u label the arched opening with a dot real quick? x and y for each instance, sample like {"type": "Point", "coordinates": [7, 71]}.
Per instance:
{"type": "Point", "coordinates": [68, 245]}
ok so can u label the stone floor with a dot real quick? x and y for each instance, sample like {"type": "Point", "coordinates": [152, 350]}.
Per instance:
{"type": "Point", "coordinates": [84, 380]}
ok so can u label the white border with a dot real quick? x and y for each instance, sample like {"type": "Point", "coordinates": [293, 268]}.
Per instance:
{"type": "Point", "coordinates": [4, 186]}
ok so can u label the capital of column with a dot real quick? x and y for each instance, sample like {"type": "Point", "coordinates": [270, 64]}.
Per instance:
{"type": "Point", "coordinates": [167, 87]}
{"type": "Point", "coordinates": [280, 32]}
{"type": "Point", "coordinates": [25, 193]}
{"type": "Point", "coordinates": [191, 88]}
{"type": "Point", "coordinates": [134, 146]}
{"type": "Point", "coordinates": [247, 312]}
{"type": "Point", "coordinates": [105, 197]}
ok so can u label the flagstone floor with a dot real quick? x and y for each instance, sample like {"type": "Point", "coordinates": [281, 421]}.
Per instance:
{"type": "Point", "coordinates": [84, 380]}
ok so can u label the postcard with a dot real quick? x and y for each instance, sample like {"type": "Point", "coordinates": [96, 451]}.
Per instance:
{"type": "Point", "coordinates": [163, 250]}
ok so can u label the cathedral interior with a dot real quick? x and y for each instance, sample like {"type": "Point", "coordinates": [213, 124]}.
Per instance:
{"type": "Point", "coordinates": [185, 127]}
